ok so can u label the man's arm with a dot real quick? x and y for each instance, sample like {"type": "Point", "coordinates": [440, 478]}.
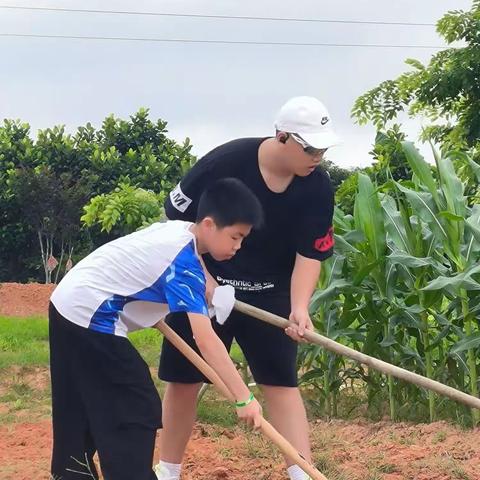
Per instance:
{"type": "Point", "coordinates": [182, 201]}
{"type": "Point", "coordinates": [303, 282]}
{"type": "Point", "coordinates": [315, 243]}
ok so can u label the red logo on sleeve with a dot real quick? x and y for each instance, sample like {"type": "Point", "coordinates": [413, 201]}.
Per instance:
{"type": "Point", "coordinates": [323, 244]}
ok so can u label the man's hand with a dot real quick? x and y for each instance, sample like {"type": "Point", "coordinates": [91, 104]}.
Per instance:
{"type": "Point", "coordinates": [301, 321]}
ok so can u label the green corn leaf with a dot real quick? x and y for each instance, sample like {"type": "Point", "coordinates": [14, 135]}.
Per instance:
{"type": "Point", "coordinates": [416, 262]}
{"type": "Point", "coordinates": [394, 224]}
{"type": "Point", "coordinates": [364, 271]}
{"type": "Point", "coordinates": [466, 159]}
{"type": "Point", "coordinates": [332, 289]}
{"type": "Point", "coordinates": [368, 216]}
{"type": "Point", "coordinates": [350, 333]}
{"type": "Point", "coordinates": [451, 216]}
{"type": "Point", "coordinates": [470, 341]}
{"type": "Point", "coordinates": [388, 341]}
{"type": "Point", "coordinates": [462, 280]}
{"type": "Point", "coordinates": [343, 246]}
{"type": "Point", "coordinates": [424, 207]}
{"type": "Point", "coordinates": [451, 186]}
{"type": "Point", "coordinates": [475, 168]}
{"type": "Point", "coordinates": [421, 168]}
{"type": "Point", "coordinates": [311, 375]}
{"type": "Point", "coordinates": [438, 339]}
{"type": "Point", "coordinates": [472, 223]}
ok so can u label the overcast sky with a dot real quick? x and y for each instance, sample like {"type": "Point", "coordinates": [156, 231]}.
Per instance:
{"type": "Point", "coordinates": [209, 92]}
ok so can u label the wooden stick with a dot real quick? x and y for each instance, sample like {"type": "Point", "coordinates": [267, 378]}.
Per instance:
{"type": "Point", "coordinates": [284, 446]}
{"type": "Point", "coordinates": [371, 362]}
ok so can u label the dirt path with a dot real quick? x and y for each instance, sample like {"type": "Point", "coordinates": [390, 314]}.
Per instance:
{"type": "Point", "coordinates": [343, 450]}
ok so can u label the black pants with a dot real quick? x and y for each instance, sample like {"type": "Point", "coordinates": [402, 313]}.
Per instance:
{"type": "Point", "coordinates": [270, 353]}
{"type": "Point", "coordinates": [103, 399]}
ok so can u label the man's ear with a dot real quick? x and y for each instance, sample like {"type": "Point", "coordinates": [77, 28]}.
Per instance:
{"type": "Point", "coordinates": [282, 137]}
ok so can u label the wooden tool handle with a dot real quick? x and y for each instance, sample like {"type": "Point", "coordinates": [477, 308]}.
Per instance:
{"type": "Point", "coordinates": [266, 428]}
{"type": "Point", "coordinates": [371, 362]}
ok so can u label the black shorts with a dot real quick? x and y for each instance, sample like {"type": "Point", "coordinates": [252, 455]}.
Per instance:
{"type": "Point", "coordinates": [104, 400]}
{"type": "Point", "coordinates": [270, 353]}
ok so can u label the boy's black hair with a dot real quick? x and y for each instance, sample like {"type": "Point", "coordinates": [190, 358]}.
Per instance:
{"type": "Point", "coordinates": [229, 201]}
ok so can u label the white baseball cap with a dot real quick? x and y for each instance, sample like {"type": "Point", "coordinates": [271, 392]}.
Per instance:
{"type": "Point", "coordinates": [309, 118]}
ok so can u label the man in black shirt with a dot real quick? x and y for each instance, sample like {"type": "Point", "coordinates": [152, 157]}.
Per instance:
{"type": "Point", "coordinates": [276, 269]}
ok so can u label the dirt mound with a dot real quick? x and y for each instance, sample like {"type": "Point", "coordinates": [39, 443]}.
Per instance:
{"type": "Point", "coordinates": [342, 450]}
{"type": "Point", "coordinates": [23, 300]}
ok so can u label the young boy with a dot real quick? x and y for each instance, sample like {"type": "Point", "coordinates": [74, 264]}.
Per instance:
{"type": "Point", "coordinates": [103, 397]}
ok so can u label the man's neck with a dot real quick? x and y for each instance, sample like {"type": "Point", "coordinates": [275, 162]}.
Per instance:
{"type": "Point", "coordinates": [275, 175]}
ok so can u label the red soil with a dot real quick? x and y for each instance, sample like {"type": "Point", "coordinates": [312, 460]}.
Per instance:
{"type": "Point", "coordinates": [353, 450]}
{"type": "Point", "coordinates": [24, 300]}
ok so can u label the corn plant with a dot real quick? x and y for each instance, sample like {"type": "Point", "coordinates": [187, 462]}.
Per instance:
{"type": "Point", "coordinates": [403, 283]}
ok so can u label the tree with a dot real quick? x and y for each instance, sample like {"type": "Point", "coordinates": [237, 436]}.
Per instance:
{"type": "Point", "coordinates": [390, 163]}
{"type": "Point", "coordinates": [15, 150]}
{"type": "Point", "coordinates": [337, 174]}
{"type": "Point", "coordinates": [446, 91]}
{"type": "Point", "coordinates": [136, 152]}
{"type": "Point", "coordinates": [125, 210]}
{"type": "Point", "coordinates": [51, 205]}
{"type": "Point", "coordinates": [50, 179]}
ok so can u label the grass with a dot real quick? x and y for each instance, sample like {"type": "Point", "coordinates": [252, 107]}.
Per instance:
{"type": "Point", "coordinates": [446, 466]}
{"type": "Point", "coordinates": [439, 437]}
{"type": "Point", "coordinates": [24, 352]}
{"type": "Point", "coordinates": [215, 411]}
{"type": "Point", "coordinates": [257, 446]}
{"type": "Point", "coordinates": [148, 342]}
{"type": "Point", "coordinates": [324, 462]}
{"type": "Point", "coordinates": [24, 394]}
{"type": "Point", "coordinates": [24, 360]}
{"type": "Point", "coordinates": [23, 342]}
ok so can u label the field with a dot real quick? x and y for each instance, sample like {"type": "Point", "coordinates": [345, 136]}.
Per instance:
{"type": "Point", "coordinates": [344, 449]}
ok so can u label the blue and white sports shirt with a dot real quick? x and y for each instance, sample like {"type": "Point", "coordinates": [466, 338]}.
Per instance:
{"type": "Point", "coordinates": [134, 281]}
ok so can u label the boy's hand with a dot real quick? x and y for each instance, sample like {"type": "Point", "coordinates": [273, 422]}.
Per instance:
{"type": "Point", "coordinates": [251, 414]}
{"type": "Point", "coordinates": [302, 321]}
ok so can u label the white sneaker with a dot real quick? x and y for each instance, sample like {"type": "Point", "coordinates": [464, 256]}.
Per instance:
{"type": "Point", "coordinates": [162, 473]}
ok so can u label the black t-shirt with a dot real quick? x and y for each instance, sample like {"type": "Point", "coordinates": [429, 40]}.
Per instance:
{"type": "Point", "coordinates": [296, 220]}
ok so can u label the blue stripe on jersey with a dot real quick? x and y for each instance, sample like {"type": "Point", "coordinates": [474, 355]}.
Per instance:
{"type": "Point", "coordinates": [181, 286]}
{"type": "Point", "coordinates": [104, 318]}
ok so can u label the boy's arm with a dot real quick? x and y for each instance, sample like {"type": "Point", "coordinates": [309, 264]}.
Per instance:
{"type": "Point", "coordinates": [216, 355]}
{"type": "Point", "coordinates": [185, 292]}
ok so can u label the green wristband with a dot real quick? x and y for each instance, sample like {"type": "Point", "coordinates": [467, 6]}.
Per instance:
{"type": "Point", "coordinates": [246, 402]}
